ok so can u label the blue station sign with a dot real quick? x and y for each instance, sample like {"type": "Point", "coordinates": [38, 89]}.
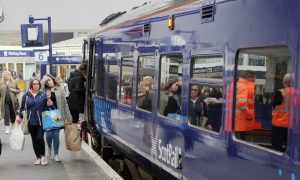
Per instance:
{"type": "Point", "coordinates": [65, 59]}
{"type": "Point", "coordinates": [16, 53]}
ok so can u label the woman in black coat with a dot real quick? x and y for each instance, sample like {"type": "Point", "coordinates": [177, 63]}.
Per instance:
{"type": "Point", "coordinates": [76, 99]}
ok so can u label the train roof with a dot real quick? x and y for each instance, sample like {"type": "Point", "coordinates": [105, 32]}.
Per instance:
{"type": "Point", "coordinates": [144, 11]}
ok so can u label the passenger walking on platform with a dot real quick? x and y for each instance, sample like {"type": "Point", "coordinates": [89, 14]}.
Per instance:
{"type": "Point", "coordinates": [58, 100]}
{"type": "Point", "coordinates": [36, 102]}
{"type": "Point", "coordinates": [76, 99]}
{"type": "Point", "coordinates": [281, 115]}
{"type": "Point", "coordinates": [9, 90]}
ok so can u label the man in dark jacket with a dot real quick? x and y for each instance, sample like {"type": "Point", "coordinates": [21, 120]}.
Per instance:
{"type": "Point", "coordinates": [76, 99]}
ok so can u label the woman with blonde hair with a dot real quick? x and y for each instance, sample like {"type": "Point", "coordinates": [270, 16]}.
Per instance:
{"type": "Point", "coordinates": [8, 99]}
{"type": "Point", "coordinates": [57, 96]}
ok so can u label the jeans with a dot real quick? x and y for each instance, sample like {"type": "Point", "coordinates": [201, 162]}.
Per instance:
{"type": "Point", "coordinates": [53, 136]}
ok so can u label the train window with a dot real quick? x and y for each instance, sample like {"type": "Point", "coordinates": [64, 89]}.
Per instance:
{"type": "Point", "coordinates": [205, 106]}
{"type": "Point", "coordinates": [112, 80]}
{"type": "Point", "coordinates": [262, 96]}
{"type": "Point", "coordinates": [170, 86]}
{"type": "Point", "coordinates": [206, 92]}
{"type": "Point", "coordinates": [144, 96]}
{"type": "Point", "coordinates": [126, 80]}
{"type": "Point", "coordinates": [207, 67]}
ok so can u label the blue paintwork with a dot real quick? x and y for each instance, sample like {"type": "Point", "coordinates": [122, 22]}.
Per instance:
{"type": "Point", "coordinates": [237, 24]}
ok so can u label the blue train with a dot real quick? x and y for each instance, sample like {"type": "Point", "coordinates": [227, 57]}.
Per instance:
{"type": "Point", "coordinates": [170, 48]}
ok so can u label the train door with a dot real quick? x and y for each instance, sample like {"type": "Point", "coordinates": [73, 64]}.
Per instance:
{"type": "Point", "coordinates": [90, 85]}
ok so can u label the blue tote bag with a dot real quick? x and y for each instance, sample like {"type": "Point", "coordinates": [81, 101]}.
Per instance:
{"type": "Point", "coordinates": [52, 119]}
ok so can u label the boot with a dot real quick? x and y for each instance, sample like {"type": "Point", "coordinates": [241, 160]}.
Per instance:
{"type": "Point", "coordinates": [6, 130]}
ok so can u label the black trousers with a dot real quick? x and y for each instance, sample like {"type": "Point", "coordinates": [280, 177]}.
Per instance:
{"type": "Point", "coordinates": [37, 136]}
{"type": "Point", "coordinates": [279, 138]}
{"type": "Point", "coordinates": [9, 115]}
{"type": "Point", "coordinates": [75, 116]}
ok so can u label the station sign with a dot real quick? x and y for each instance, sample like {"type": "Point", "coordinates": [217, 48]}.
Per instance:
{"type": "Point", "coordinates": [65, 59]}
{"type": "Point", "coordinates": [32, 35]}
{"type": "Point", "coordinates": [16, 53]}
{"type": "Point", "coordinates": [41, 56]}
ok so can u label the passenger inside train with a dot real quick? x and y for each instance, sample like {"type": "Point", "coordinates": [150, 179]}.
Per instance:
{"type": "Point", "coordinates": [271, 64]}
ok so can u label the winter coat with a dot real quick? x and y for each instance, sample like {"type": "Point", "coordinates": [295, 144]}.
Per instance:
{"type": "Point", "coordinates": [14, 90]}
{"type": "Point", "coordinates": [76, 99]}
{"type": "Point", "coordinates": [197, 110]}
{"type": "Point", "coordinates": [35, 106]}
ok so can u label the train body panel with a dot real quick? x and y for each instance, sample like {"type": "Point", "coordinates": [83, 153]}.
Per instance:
{"type": "Point", "coordinates": [236, 29]}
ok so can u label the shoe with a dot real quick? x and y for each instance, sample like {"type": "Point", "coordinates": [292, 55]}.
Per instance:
{"type": "Point", "coordinates": [37, 162]}
{"type": "Point", "coordinates": [48, 154]}
{"type": "Point", "coordinates": [44, 161]}
{"type": "Point", "coordinates": [56, 158]}
{"type": "Point", "coordinates": [6, 130]}
{"type": "Point", "coordinates": [11, 127]}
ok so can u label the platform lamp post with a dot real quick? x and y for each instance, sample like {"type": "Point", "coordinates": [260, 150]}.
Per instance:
{"type": "Point", "coordinates": [31, 21]}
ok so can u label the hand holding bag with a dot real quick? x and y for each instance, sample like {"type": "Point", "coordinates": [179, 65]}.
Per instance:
{"type": "Point", "coordinates": [52, 119]}
{"type": "Point", "coordinates": [25, 120]}
{"type": "Point", "coordinates": [17, 138]}
{"type": "Point", "coordinates": [72, 137]}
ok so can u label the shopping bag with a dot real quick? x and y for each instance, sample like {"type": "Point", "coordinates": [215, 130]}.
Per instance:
{"type": "Point", "coordinates": [25, 123]}
{"type": "Point", "coordinates": [52, 119]}
{"type": "Point", "coordinates": [17, 138]}
{"type": "Point", "coordinates": [72, 137]}
{"type": "Point", "coordinates": [174, 116]}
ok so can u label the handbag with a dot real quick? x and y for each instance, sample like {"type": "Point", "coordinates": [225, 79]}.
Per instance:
{"type": "Point", "coordinates": [25, 120]}
{"type": "Point", "coordinates": [72, 137]}
{"type": "Point", "coordinates": [17, 138]}
{"type": "Point", "coordinates": [52, 119]}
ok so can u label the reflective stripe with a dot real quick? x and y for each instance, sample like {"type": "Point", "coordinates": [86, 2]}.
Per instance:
{"type": "Point", "coordinates": [286, 103]}
{"type": "Point", "coordinates": [242, 99]}
{"type": "Point", "coordinates": [243, 107]}
{"type": "Point", "coordinates": [238, 111]}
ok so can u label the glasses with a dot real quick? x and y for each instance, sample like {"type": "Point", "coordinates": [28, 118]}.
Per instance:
{"type": "Point", "coordinates": [35, 84]}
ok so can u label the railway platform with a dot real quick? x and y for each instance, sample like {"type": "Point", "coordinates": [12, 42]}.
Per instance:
{"type": "Point", "coordinates": [81, 165]}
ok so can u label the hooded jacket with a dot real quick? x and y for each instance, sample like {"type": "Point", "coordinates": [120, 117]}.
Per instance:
{"type": "Point", "coordinates": [76, 99]}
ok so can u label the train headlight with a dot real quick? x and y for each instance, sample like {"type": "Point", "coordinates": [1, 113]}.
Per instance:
{"type": "Point", "coordinates": [171, 22]}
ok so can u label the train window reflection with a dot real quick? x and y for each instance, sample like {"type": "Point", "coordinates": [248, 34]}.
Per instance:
{"type": "Point", "coordinates": [207, 67]}
{"type": "Point", "coordinates": [205, 106]}
{"type": "Point", "coordinates": [262, 97]}
{"type": "Point", "coordinates": [112, 80]}
{"type": "Point", "coordinates": [170, 86]}
{"type": "Point", "coordinates": [126, 80]}
{"type": "Point", "coordinates": [144, 96]}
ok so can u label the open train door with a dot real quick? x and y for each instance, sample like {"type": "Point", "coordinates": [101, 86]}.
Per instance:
{"type": "Point", "coordinates": [90, 84]}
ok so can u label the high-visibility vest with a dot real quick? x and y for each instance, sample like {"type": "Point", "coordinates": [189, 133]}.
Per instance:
{"type": "Point", "coordinates": [281, 112]}
{"type": "Point", "coordinates": [253, 124]}
{"type": "Point", "coordinates": [244, 112]}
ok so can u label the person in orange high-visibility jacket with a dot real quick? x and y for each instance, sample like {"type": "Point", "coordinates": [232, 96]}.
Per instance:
{"type": "Point", "coordinates": [244, 113]}
{"type": "Point", "coordinates": [281, 115]}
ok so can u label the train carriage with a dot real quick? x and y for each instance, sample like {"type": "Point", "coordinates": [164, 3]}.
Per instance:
{"type": "Point", "coordinates": [136, 57]}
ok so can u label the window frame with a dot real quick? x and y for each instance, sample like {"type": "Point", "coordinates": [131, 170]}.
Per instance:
{"type": "Point", "coordinates": [159, 85]}
{"type": "Point", "coordinates": [211, 82]}
{"type": "Point", "coordinates": [137, 82]}
{"type": "Point", "coordinates": [235, 79]}
{"type": "Point", "coordinates": [120, 80]}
